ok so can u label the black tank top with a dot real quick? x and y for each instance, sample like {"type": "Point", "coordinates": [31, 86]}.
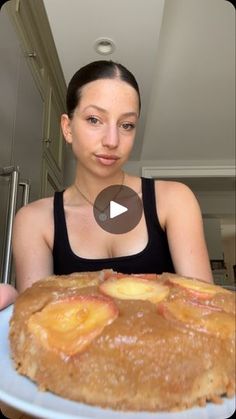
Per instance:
{"type": "Point", "coordinates": [154, 258]}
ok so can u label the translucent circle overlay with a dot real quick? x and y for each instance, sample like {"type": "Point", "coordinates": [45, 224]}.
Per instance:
{"type": "Point", "coordinates": [118, 195]}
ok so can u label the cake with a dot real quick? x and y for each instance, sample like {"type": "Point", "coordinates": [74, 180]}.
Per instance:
{"type": "Point", "coordinates": [127, 342]}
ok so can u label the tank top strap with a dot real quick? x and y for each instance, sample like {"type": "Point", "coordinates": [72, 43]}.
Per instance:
{"type": "Point", "coordinates": [60, 230]}
{"type": "Point", "coordinates": [149, 206]}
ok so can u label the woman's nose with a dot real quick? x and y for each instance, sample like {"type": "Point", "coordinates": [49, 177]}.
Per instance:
{"type": "Point", "coordinates": [111, 137]}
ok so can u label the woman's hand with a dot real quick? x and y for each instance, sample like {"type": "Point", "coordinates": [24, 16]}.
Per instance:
{"type": "Point", "coordinates": [8, 295]}
{"type": "Point", "coordinates": [11, 413]}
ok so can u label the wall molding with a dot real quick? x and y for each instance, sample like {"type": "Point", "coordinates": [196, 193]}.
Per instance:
{"type": "Point", "coordinates": [188, 171]}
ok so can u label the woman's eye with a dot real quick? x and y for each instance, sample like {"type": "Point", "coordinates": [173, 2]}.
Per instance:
{"type": "Point", "coordinates": [93, 120]}
{"type": "Point", "coordinates": [127, 126]}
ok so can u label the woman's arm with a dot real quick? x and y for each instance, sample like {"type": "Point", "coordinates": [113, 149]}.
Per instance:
{"type": "Point", "coordinates": [31, 248]}
{"type": "Point", "coordinates": [181, 217]}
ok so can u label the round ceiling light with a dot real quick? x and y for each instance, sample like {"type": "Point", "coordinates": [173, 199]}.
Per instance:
{"type": "Point", "coordinates": [104, 46]}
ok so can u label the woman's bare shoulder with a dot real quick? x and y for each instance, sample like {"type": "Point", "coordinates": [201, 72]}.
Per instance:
{"type": "Point", "coordinates": [172, 196]}
{"type": "Point", "coordinates": [170, 189]}
{"type": "Point", "coordinates": [41, 209]}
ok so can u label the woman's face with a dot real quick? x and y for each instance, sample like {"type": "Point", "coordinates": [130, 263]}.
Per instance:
{"type": "Point", "coordinates": [103, 126]}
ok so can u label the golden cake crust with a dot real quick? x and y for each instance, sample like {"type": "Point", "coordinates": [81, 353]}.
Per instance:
{"type": "Point", "coordinates": [147, 355]}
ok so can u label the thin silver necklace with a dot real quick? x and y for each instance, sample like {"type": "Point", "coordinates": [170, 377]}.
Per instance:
{"type": "Point", "coordinates": [102, 216]}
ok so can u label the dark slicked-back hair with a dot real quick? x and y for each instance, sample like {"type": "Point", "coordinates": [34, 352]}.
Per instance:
{"type": "Point", "coordinates": [96, 70]}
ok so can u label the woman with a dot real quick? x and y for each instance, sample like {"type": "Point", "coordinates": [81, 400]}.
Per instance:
{"type": "Point", "coordinates": [61, 235]}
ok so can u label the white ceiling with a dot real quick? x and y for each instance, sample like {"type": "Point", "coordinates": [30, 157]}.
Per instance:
{"type": "Point", "coordinates": [183, 55]}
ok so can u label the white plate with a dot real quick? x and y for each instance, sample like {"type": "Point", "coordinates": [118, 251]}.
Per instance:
{"type": "Point", "coordinates": [20, 393]}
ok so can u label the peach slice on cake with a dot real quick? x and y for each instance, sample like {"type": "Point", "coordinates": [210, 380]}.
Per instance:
{"type": "Point", "coordinates": [69, 325]}
{"type": "Point", "coordinates": [202, 318]}
{"type": "Point", "coordinates": [147, 276]}
{"type": "Point", "coordinates": [119, 275]}
{"type": "Point", "coordinates": [197, 288]}
{"type": "Point", "coordinates": [134, 288]}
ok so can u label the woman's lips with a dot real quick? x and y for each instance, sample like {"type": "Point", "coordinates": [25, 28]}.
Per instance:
{"type": "Point", "coordinates": [106, 160]}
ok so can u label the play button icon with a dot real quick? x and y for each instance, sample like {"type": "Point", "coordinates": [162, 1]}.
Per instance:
{"type": "Point", "coordinates": [118, 209]}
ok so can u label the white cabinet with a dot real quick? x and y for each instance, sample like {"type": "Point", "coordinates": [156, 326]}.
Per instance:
{"type": "Point", "coordinates": [21, 110]}
{"type": "Point", "coordinates": [31, 23]}
{"type": "Point", "coordinates": [28, 35]}
{"type": "Point", "coordinates": [50, 182]}
{"type": "Point", "coordinates": [27, 133]}
{"type": "Point", "coordinates": [9, 52]}
{"type": "Point", "coordinates": [21, 121]}
{"type": "Point", "coordinates": [32, 99]}
{"type": "Point", "coordinates": [53, 139]}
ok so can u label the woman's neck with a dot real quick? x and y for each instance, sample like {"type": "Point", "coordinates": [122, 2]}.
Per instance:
{"type": "Point", "coordinates": [89, 185]}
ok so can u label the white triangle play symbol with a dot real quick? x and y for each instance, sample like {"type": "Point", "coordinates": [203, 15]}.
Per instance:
{"type": "Point", "coordinates": [116, 209]}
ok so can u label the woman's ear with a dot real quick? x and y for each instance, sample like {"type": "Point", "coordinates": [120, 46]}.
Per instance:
{"type": "Point", "coordinates": [66, 128]}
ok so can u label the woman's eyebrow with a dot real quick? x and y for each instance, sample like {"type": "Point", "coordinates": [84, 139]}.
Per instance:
{"type": "Point", "coordinates": [98, 108]}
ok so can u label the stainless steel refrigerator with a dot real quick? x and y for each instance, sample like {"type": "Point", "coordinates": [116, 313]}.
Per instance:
{"type": "Point", "coordinates": [21, 119]}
